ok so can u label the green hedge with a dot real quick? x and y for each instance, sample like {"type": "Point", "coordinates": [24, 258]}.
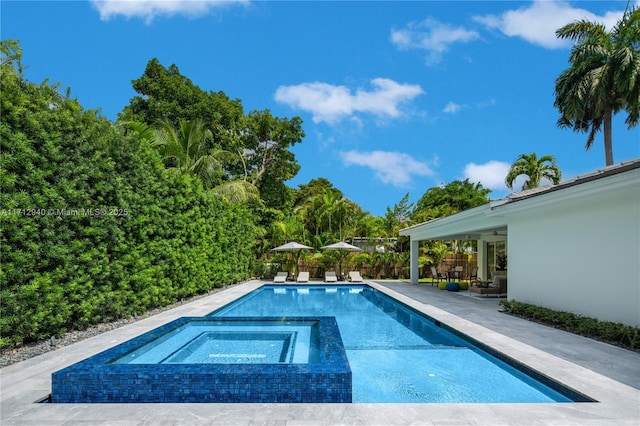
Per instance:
{"type": "Point", "coordinates": [157, 237]}
{"type": "Point", "coordinates": [618, 334]}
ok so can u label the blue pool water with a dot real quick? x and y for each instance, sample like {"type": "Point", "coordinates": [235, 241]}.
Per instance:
{"type": "Point", "coordinates": [305, 344]}
{"type": "Point", "coordinates": [237, 342]}
{"type": "Point", "coordinates": [395, 354]}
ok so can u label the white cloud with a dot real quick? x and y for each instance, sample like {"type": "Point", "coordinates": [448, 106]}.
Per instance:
{"type": "Point", "coordinates": [491, 175]}
{"type": "Point", "coordinates": [538, 23]}
{"type": "Point", "coordinates": [393, 168]}
{"type": "Point", "coordinates": [452, 108]}
{"type": "Point", "coordinates": [330, 103]}
{"type": "Point", "coordinates": [431, 35]}
{"type": "Point", "coordinates": [150, 9]}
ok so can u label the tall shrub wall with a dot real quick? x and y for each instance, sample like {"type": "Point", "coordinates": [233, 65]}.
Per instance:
{"type": "Point", "coordinates": [93, 227]}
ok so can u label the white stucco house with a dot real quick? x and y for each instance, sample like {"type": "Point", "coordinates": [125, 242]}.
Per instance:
{"type": "Point", "coordinates": [570, 247]}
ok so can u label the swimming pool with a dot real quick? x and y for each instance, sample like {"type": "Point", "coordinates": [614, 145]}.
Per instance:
{"type": "Point", "coordinates": [397, 354]}
{"type": "Point", "coordinates": [312, 343]}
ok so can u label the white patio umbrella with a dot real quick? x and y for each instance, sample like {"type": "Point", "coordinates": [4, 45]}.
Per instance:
{"type": "Point", "coordinates": [291, 246]}
{"type": "Point", "coordinates": [295, 248]}
{"type": "Point", "coordinates": [344, 249]}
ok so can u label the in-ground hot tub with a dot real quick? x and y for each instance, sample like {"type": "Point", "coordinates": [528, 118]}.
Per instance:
{"type": "Point", "coordinates": [195, 359]}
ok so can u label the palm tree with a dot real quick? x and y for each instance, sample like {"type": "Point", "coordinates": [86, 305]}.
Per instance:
{"type": "Point", "coordinates": [343, 212]}
{"type": "Point", "coordinates": [187, 148]}
{"type": "Point", "coordinates": [329, 203]}
{"type": "Point", "coordinates": [367, 226]}
{"type": "Point", "coordinates": [603, 79]}
{"type": "Point", "coordinates": [535, 168]}
{"type": "Point", "coordinates": [306, 210]}
{"type": "Point", "coordinates": [288, 228]}
{"type": "Point", "coordinates": [437, 252]}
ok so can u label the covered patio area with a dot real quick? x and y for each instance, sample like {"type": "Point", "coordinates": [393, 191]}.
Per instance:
{"type": "Point", "coordinates": [488, 230]}
{"type": "Point", "coordinates": [578, 237]}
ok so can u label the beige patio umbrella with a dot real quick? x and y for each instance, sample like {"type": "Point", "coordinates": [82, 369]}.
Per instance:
{"type": "Point", "coordinates": [344, 249]}
{"type": "Point", "coordinates": [296, 250]}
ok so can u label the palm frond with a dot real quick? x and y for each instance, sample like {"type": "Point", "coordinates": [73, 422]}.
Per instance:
{"type": "Point", "coordinates": [237, 191]}
{"type": "Point", "coordinates": [141, 131]}
{"type": "Point", "coordinates": [579, 31]}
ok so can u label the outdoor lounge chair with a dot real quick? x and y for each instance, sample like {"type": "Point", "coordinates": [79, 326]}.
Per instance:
{"type": "Point", "coordinates": [497, 287]}
{"type": "Point", "coordinates": [281, 277]}
{"type": "Point", "coordinates": [355, 277]}
{"type": "Point", "coordinates": [303, 277]}
{"type": "Point", "coordinates": [330, 277]}
{"type": "Point", "coordinates": [436, 276]}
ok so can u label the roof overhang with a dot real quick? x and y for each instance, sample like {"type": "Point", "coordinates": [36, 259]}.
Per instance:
{"type": "Point", "coordinates": [473, 224]}
{"type": "Point", "coordinates": [489, 221]}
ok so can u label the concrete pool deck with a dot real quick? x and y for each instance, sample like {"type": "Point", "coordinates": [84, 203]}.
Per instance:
{"type": "Point", "coordinates": [606, 373]}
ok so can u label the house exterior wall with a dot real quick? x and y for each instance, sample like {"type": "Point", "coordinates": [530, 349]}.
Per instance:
{"type": "Point", "coordinates": [580, 255]}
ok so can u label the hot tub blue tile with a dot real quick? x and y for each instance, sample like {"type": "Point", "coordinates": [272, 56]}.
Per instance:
{"type": "Point", "coordinates": [98, 380]}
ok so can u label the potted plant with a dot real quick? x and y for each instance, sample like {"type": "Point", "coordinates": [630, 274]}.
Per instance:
{"type": "Point", "coordinates": [501, 264]}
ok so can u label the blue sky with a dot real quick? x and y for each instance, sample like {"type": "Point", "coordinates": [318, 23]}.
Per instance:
{"type": "Point", "coordinates": [396, 97]}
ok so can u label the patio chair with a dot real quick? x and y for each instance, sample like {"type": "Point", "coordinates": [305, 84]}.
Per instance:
{"type": "Point", "coordinates": [330, 277]}
{"type": "Point", "coordinates": [436, 276]}
{"type": "Point", "coordinates": [355, 277]}
{"type": "Point", "coordinates": [455, 274]}
{"type": "Point", "coordinates": [303, 277]}
{"type": "Point", "coordinates": [281, 277]}
{"type": "Point", "coordinates": [473, 276]}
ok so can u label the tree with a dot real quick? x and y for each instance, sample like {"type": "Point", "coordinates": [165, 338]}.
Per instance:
{"type": "Point", "coordinates": [259, 141]}
{"type": "Point", "coordinates": [603, 79]}
{"type": "Point", "coordinates": [308, 201]}
{"type": "Point", "coordinates": [305, 192]}
{"type": "Point", "coordinates": [237, 191]}
{"type": "Point", "coordinates": [367, 226]}
{"type": "Point", "coordinates": [437, 253]}
{"type": "Point", "coordinates": [399, 217]}
{"type": "Point", "coordinates": [167, 95]}
{"type": "Point", "coordinates": [328, 202]}
{"type": "Point", "coordinates": [450, 199]}
{"type": "Point", "coordinates": [187, 149]}
{"type": "Point", "coordinates": [266, 141]}
{"type": "Point", "coordinates": [288, 229]}
{"type": "Point", "coordinates": [11, 56]}
{"type": "Point", "coordinates": [535, 168]}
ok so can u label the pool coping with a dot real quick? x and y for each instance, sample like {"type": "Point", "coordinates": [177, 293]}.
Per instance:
{"type": "Point", "coordinates": [25, 383]}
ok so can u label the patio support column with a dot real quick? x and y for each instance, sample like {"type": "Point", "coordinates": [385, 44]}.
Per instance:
{"type": "Point", "coordinates": [415, 268]}
{"type": "Point", "coordinates": [482, 260]}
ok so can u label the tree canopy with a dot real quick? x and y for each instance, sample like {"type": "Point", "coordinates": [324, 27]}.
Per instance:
{"type": "Point", "coordinates": [266, 142]}
{"type": "Point", "coordinates": [257, 145]}
{"type": "Point", "coordinates": [164, 94]}
{"type": "Point", "coordinates": [450, 199]}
